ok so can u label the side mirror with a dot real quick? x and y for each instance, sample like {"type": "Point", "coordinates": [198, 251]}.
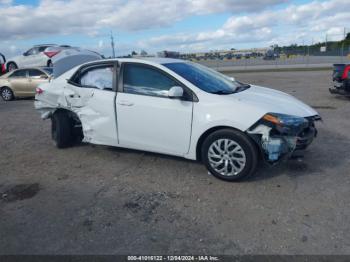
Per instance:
{"type": "Point", "coordinates": [176, 92]}
{"type": "Point", "coordinates": [43, 77]}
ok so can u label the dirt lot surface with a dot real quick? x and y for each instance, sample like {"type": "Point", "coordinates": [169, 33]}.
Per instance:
{"type": "Point", "coordinates": [101, 200]}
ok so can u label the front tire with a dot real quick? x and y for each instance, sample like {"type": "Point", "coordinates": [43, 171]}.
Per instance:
{"type": "Point", "coordinates": [229, 155]}
{"type": "Point", "coordinates": [62, 129]}
{"type": "Point", "coordinates": [7, 94]}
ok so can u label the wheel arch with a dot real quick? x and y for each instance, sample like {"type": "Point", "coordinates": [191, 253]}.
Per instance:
{"type": "Point", "coordinates": [10, 62]}
{"type": "Point", "coordinates": [206, 134]}
{"type": "Point", "coordinates": [214, 129]}
{"type": "Point", "coordinates": [13, 92]}
{"type": "Point", "coordinates": [75, 120]}
{"type": "Point", "coordinates": [70, 113]}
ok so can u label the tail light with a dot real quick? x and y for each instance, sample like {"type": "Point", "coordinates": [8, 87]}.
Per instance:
{"type": "Point", "coordinates": [39, 91]}
{"type": "Point", "coordinates": [346, 71]}
{"type": "Point", "coordinates": [3, 68]}
{"type": "Point", "coordinates": [51, 53]}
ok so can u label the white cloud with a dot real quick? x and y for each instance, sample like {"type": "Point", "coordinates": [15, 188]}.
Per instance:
{"type": "Point", "coordinates": [5, 2]}
{"type": "Point", "coordinates": [89, 16]}
{"type": "Point", "coordinates": [252, 23]}
{"type": "Point", "coordinates": [306, 23]}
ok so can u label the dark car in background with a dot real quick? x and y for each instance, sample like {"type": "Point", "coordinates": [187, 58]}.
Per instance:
{"type": "Point", "coordinates": [2, 64]}
{"type": "Point", "coordinates": [341, 79]}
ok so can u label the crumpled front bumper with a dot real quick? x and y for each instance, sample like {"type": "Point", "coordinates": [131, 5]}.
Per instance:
{"type": "Point", "coordinates": [305, 138]}
{"type": "Point", "coordinates": [275, 145]}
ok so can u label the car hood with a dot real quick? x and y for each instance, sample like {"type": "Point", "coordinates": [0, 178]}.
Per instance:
{"type": "Point", "coordinates": [273, 101]}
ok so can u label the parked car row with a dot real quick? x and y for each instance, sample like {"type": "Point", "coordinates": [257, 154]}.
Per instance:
{"type": "Point", "coordinates": [164, 105]}
{"type": "Point", "coordinates": [22, 74]}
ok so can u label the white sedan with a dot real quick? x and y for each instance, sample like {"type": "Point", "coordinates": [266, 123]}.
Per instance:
{"type": "Point", "coordinates": [178, 108]}
{"type": "Point", "coordinates": [37, 56]}
{"type": "Point", "coordinates": [48, 55]}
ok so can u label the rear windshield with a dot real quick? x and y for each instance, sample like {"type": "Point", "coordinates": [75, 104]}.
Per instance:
{"type": "Point", "coordinates": [339, 68]}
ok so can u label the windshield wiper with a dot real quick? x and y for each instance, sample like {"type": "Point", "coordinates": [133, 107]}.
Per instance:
{"type": "Point", "coordinates": [242, 87]}
{"type": "Point", "coordinates": [221, 92]}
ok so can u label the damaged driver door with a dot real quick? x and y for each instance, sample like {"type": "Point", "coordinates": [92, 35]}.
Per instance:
{"type": "Point", "coordinates": [91, 95]}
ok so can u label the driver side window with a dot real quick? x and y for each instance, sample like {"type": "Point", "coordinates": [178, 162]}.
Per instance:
{"type": "Point", "coordinates": [144, 80]}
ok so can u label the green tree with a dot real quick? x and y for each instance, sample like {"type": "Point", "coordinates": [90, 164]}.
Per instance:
{"type": "Point", "coordinates": [347, 36]}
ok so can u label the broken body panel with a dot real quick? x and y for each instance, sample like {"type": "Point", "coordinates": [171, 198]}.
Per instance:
{"type": "Point", "coordinates": [279, 141]}
{"type": "Point", "coordinates": [106, 119]}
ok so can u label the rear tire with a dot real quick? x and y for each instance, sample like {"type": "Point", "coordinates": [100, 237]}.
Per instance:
{"type": "Point", "coordinates": [7, 94]}
{"type": "Point", "coordinates": [229, 155]}
{"type": "Point", "coordinates": [11, 66]}
{"type": "Point", "coordinates": [62, 129]}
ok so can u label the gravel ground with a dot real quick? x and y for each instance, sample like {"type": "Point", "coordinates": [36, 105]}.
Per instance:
{"type": "Point", "coordinates": [101, 200]}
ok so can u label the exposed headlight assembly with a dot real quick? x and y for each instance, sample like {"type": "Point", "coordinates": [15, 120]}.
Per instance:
{"type": "Point", "coordinates": [286, 123]}
{"type": "Point", "coordinates": [285, 120]}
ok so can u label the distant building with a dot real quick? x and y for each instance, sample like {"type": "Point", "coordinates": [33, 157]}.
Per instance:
{"type": "Point", "coordinates": [226, 54]}
{"type": "Point", "coordinates": [169, 54]}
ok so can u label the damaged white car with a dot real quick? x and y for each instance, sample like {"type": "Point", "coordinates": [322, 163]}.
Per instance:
{"type": "Point", "coordinates": [178, 108]}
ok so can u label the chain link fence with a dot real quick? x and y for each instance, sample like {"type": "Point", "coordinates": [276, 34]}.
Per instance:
{"type": "Point", "coordinates": [298, 55]}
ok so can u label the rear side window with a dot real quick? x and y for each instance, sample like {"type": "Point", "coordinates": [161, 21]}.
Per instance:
{"type": "Point", "coordinates": [145, 80]}
{"type": "Point", "coordinates": [19, 73]}
{"type": "Point", "coordinates": [32, 51]}
{"type": "Point", "coordinates": [33, 73]}
{"type": "Point", "coordinates": [100, 77]}
{"type": "Point", "coordinates": [42, 48]}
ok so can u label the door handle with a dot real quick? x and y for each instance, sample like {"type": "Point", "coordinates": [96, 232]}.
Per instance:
{"type": "Point", "coordinates": [74, 96]}
{"type": "Point", "coordinates": [125, 103]}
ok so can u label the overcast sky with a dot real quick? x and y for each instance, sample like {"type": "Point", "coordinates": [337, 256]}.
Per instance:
{"type": "Point", "coordinates": [179, 25]}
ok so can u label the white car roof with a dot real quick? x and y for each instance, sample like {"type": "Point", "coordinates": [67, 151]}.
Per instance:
{"type": "Point", "coordinates": [154, 60]}
{"type": "Point", "coordinates": [67, 71]}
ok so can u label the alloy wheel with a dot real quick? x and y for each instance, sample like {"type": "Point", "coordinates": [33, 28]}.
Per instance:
{"type": "Point", "coordinates": [6, 94]}
{"type": "Point", "coordinates": [226, 157]}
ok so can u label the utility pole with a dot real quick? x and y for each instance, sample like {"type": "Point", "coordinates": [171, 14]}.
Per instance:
{"type": "Point", "coordinates": [344, 32]}
{"type": "Point", "coordinates": [342, 46]}
{"type": "Point", "coordinates": [112, 44]}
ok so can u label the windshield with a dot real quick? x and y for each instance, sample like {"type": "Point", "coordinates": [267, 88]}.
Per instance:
{"type": "Point", "coordinates": [206, 79]}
